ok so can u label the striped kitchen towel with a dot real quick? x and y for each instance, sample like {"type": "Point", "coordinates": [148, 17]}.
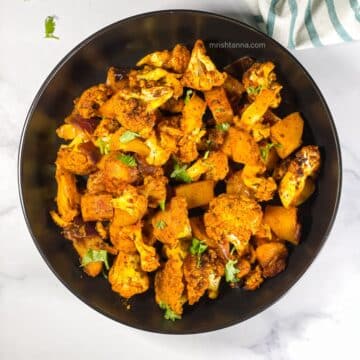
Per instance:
{"type": "Point", "coordinates": [307, 23]}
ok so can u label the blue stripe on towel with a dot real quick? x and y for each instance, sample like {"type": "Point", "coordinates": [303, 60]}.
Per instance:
{"type": "Point", "coordinates": [271, 18]}
{"type": "Point", "coordinates": [356, 7]}
{"type": "Point", "coordinates": [314, 36]}
{"type": "Point", "coordinates": [336, 22]}
{"type": "Point", "coordinates": [294, 12]}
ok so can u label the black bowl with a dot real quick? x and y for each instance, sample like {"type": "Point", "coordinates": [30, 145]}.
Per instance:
{"type": "Point", "coordinates": [122, 44]}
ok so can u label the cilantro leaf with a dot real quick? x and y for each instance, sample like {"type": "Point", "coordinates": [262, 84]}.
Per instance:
{"type": "Point", "coordinates": [206, 155]}
{"type": "Point", "coordinates": [128, 160]}
{"type": "Point", "coordinates": [103, 143]}
{"type": "Point", "coordinates": [187, 96]}
{"type": "Point", "coordinates": [254, 90]}
{"type": "Point", "coordinates": [161, 224]}
{"type": "Point", "coordinates": [179, 173]}
{"type": "Point", "coordinates": [162, 205]}
{"type": "Point", "coordinates": [197, 248]}
{"type": "Point", "coordinates": [223, 126]}
{"type": "Point", "coordinates": [128, 136]}
{"type": "Point", "coordinates": [94, 256]}
{"type": "Point", "coordinates": [50, 26]}
{"type": "Point", "coordinates": [169, 314]}
{"type": "Point", "coordinates": [264, 151]}
{"type": "Point", "coordinates": [231, 271]}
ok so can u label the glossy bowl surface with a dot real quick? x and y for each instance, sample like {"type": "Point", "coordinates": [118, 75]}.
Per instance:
{"type": "Point", "coordinates": [122, 44]}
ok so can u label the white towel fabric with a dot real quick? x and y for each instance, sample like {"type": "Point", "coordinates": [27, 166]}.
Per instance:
{"type": "Point", "coordinates": [308, 23]}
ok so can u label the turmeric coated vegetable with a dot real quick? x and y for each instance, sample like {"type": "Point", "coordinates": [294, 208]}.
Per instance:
{"type": "Point", "coordinates": [167, 174]}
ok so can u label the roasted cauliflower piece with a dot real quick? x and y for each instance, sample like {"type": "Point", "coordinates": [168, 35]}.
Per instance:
{"type": "Point", "coordinates": [169, 286]}
{"type": "Point", "coordinates": [253, 279]}
{"type": "Point", "coordinates": [202, 276]}
{"type": "Point", "coordinates": [79, 159]}
{"type": "Point", "coordinates": [67, 197]}
{"type": "Point", "coordinates": [91, 100]}
{"type": "Point", "coordinates": [261, 76]}
{"type": "Point", "coordinates": [149, 259]}
{"type": "Point", "coordinates": [272, 258]}
{"type": "Point", "coordinates": [157, 156]}
{"type": "Point", "coordinates": [201, 73]}
{"type": "Point", "coordinates": [154, 188]}
{"type": "Point", "coordinates": [305, 164]}
{"type": "Point", "coordinates": [234, 219]}
{"type": "Point", "coordinates": [132, 113]}
{"type": "Point", "coordinates": [262, 188]}
{"type": "Point", "coordinates": [160, 77]}
{"type": "Point", "coordinates": [131, 205]}
{"type": "Point", "coordinates": [126, 276]}
{"type": "Point", "coordinates": [235, 185]}
{"type": "Point", "coordinates": [122, 236]}
{"type": "Point", "coordinates": [187, 146]}
{"type": "Point", "coordinates": [176, 60]}
{"type": "Point", "coordinates": [173, 223]}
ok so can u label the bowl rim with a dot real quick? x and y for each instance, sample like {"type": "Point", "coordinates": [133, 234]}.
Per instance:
{"type": "Point", "coordinates": [92, 37]}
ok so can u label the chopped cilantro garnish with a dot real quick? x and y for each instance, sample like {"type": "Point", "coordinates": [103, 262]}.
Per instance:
{"type": "Point", "coordinates": [94, 256]}
{"type": "Point", "coordinates": [252, 90]}
{"type": "Point", "coordinates": [162, 205]}
{"type": "Point", "coordinates": [264, 151]}
{"type": "Point", "coordinates": [206, 155]}
{"type": "Point", "coordinates": [161, 224]}
{"type": "Point", "coordinates": [128, 160]}
{"type": "Point", "coordinates": [169, 314]}
{"type": "Point", "coordinates": [128, 136]}
{"type": "Point", "coordinates": [223, 126]}
{"type": "Point", "coordinates": [197, 248]}
{"type": "Point", "coordinates": [187, 95]}
{"type": "Point", "coordinates": [103, 143]}
{"type": "Point", "coordinates": [179, 173]}
{"type": "Point", "coordinates": [50, 27]}
{"type": "Point", "coordinates": [231, 271]}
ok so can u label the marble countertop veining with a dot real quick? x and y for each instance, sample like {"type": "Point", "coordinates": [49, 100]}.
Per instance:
{"type": "Point", "coordinates": [39, 319]}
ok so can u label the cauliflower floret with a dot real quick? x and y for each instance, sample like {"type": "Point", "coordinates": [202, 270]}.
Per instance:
{"type": "Point", "coordinates": [261, 76]}
{"type": "Point", "coordinates": [173, 223]}
{"type": "Point", "coordinates": [126, 276]}
{"type": "Point", "coordinates": [163, 77]}
{"type": "Point", "coordinates": [188, 145]}
{"type": "Point", "coordinates": [170, 133]}
{"type": "Point", "coordinates": [254, 279]}
{"type": "Point", "coordinates": [176, 60]}
{"type": "Point", "coordinates": [215, 166]}
{"type": "Point", "coordinates": [157, 156]}
{"type": "Point", "coordinates": [305, 165]}
{"type": "Point", "coordinates": [235, 185]}
{"type": "Point", "coordinates": [272, 258]}
{"type": "Point", "coordinates": [154, 188]}
{"type": "Point", "coordinates": [262, 188]}
{"type": "Point", "coordinates": [201, 73]}
{"type": "Point", "coordinates": [91, 100]}
{"type": "Point", "coordinates": [169, 286]}
{"type": "Point", "coordinates": [67, 197]}
{"type": "Point", "coordinates": [234, 219]}
{"type": "Point", "coordinates": [80, 159]}
{"type": "Point", "coordinates": [131, 205]}
{"type": "Point", "coordinates": [130, 112]}
{"type": "Point", "coordinates": [148, 257]}
{"type": "Point", "coordinates": [202, 275]}
{"type": "Point", "coordinates": [122, 236]}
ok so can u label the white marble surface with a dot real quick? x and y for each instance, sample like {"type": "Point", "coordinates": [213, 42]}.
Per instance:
{"type": "Point", "coordinates": [40, 319]}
